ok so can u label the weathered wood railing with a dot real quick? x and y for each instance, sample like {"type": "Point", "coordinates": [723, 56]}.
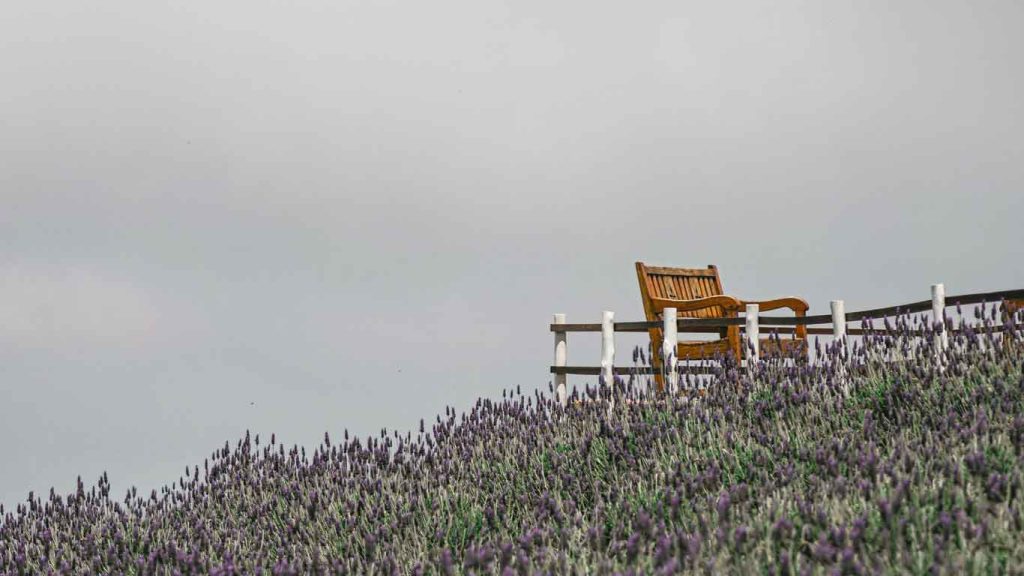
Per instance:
{"type": "Point", "coordinates": [671, 325]}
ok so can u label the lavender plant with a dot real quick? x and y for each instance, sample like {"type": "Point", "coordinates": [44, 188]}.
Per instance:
{"type": "Point", "coordinates": [895, 456]}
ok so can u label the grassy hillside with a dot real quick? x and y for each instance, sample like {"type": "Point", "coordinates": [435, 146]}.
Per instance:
{"type": "Point", "coordinates": [910, 467]}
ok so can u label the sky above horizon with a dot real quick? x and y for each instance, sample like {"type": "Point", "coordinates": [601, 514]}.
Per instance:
{"type": "Point", "coordinates": [315, 216]}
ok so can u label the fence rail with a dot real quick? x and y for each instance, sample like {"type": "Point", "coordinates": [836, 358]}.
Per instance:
{"type": "Point", "coordinates": [753, 323]}
{"type": "Point", "coordinates": [711, 325]}
{"type": "Point", "coordinates": [623, 370]}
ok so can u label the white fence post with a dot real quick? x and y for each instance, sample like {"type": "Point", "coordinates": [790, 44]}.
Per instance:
{"type": "Point", "coordinates": [753, 337]}
{"type": "Point", "coordinates": [838, 319]}
{"type": "Point", "coordinates": [839, 333]}
{"type": "Point", "coordinates": [669, 345]}
{"type": "Point", "coordinates": [939, 313]}
{"type": "Point", "coordinates": [839, 324]}
{"type": "Point", "coordinates": [560, 357]}
{"type": "Point", "coordinates": [608, 347]}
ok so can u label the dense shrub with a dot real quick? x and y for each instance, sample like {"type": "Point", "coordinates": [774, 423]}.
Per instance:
{"type": "Point", "coordinates": [891, 459]}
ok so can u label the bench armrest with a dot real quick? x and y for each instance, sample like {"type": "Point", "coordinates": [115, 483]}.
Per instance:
{"type": "Point", "coordinates": [797, 305]}
{"type": "Point", "coordinates": [729, 303]}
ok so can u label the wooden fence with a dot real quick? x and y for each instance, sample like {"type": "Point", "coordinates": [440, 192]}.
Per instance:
{"type": "Point", "coordinates": [752, 323]}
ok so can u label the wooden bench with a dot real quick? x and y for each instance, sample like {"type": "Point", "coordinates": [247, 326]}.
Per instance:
{"type": "Point", "coordinates": [697, 293]}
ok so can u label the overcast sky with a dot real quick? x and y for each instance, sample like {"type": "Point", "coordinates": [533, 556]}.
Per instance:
{"type": "Point", "coordinates": [299, 217]}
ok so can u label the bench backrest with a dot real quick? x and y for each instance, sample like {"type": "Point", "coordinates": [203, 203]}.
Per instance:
{"type": "Point", "coordinates": [680, 284]}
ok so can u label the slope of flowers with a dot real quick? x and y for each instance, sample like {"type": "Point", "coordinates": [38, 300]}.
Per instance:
{"type": "Point", "coordinates": [891, 459]}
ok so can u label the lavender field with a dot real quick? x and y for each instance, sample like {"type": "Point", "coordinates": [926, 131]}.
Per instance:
{"type": "Point", "coordinates": [895, 458]}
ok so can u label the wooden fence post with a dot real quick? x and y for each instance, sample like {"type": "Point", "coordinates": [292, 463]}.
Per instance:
{"type": "Point", "coordinates": [608, 347]}
{"type": "Point", "coordinates": [753, 337]}
{"type": "Point", "coordinates": [560, 357]}
{"type": "Point", "coordinates": [939, 314]}
{"type": "Point", "coordinates": [669, 347]}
